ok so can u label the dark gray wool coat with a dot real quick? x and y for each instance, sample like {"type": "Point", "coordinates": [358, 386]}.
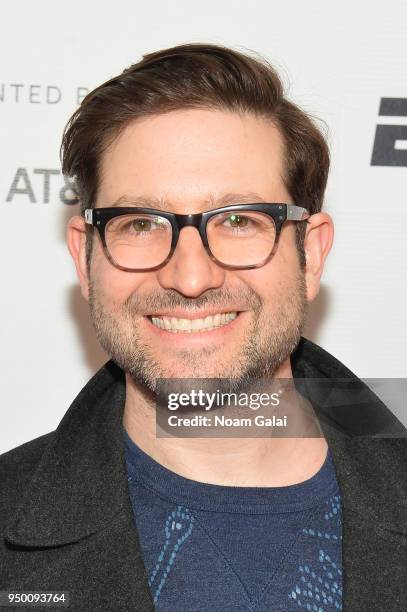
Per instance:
{"type": "Point", "coordinates": [66, 518]}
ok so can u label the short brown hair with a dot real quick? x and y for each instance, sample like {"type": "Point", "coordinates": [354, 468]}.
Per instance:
{"type": "Point", "coordinates": [187, 76]}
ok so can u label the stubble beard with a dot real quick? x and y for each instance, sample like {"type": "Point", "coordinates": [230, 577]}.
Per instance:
{"type": "Point", "coordinates": [269, 342]}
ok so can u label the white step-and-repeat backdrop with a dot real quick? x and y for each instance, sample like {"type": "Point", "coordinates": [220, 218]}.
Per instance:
{"type": "Point", "coordinates": [345, 62]}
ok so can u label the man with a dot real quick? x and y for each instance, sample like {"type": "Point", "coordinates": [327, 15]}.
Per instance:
{"type": "Point", "coordinates": [200, 242]}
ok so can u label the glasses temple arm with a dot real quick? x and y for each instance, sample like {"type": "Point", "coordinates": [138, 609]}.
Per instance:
{"type": "Point", "coordinates": [296, 213]}
{"type": "Point", "coordinates": [89, 216]}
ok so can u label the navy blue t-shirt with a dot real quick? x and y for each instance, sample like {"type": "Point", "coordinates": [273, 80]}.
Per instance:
{"type": "Point", "coordinates": [210, 548]}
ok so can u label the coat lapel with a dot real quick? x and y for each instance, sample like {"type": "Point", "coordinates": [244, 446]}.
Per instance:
{"type": "Point", "coordinates": [369, 450]}
{"type": "Point", "coordinates": [372, 475]}
{"type": "Point", "coordinates": [77, 514]}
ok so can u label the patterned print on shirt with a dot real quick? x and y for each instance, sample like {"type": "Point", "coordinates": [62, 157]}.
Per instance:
{"type": "Point", "coordinates": [319, 588]}
{"type": "Point", "coordinates": [177, 528]}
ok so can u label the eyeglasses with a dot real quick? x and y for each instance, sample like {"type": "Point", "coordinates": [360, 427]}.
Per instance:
{"type": "Point", "coordinates": [241, 236]}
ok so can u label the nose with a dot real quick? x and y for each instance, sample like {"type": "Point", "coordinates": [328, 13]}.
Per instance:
{"type": "Point", "coordinates": [190, 270]}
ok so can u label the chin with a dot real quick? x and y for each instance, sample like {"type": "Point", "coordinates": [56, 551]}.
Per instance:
{"type": "Point", "coordinates": [185, 371]}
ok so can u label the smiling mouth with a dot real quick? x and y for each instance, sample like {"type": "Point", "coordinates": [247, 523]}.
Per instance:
{"type": "Point", "coordinates": [178, 325]}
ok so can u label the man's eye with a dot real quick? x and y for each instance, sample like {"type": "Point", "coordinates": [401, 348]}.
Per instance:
{"type": "Point", "coordinates": [238, 221]}
{"type": "Point", "coordinates": [140, 225]}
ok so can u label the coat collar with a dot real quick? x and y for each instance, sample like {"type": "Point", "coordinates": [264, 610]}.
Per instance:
{"type": "Point", "coordinates": [80, 484]}
{"type": "Point", "coordinates": [368, 443]}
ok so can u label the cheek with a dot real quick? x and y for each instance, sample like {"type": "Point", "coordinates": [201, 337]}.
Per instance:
{"type": "Point", "coordinates": [275, 281]}
{"type": "Point", "coordinates": [113, 286]}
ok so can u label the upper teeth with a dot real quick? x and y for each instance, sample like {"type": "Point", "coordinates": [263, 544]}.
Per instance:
{"type": "Point", "coordinates": [188, 325]}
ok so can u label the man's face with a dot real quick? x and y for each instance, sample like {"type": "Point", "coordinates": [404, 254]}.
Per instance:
{"type": "Point", "coordinates": [188, 160]}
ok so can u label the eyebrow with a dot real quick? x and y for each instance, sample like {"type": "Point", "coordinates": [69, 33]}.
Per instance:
{"type": "Point", "coordinates": [161, 204]}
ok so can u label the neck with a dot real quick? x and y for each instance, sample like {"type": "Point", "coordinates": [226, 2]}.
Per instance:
{"type": "Point", "coordinates": [253, 462]}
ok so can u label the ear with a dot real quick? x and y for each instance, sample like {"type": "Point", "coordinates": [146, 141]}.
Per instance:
{"type": "Point", "coordinates": [317, 244]}
{"type": "Point", "coordinates": [76, 240]}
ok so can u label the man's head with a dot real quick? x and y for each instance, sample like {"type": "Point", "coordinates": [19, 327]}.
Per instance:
{"type": "Point", "coordinates": [187, 128]}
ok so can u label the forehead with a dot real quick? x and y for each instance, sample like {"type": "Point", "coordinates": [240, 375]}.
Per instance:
{"type": "Point", "coordinates": [194, 156]}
